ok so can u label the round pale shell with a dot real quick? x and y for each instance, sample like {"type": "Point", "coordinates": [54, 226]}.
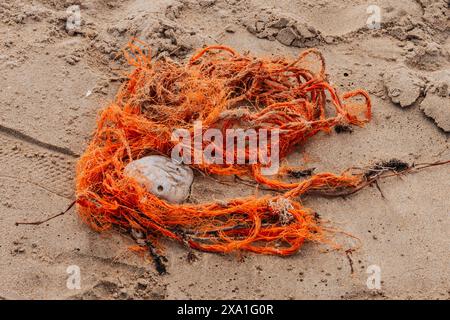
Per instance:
{"type": "Point", "coordinates": [162, 177]}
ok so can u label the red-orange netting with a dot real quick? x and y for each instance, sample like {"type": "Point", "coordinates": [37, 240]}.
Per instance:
{"type": "Point", "coordinates": [223, 89]}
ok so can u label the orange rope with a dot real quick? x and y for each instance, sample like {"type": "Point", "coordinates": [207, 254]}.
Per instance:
{"type": "Point", "coordinates": [223, 90]}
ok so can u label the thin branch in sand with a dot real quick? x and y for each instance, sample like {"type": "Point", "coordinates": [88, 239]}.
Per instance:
{"type": "Point", "coordinates": [36, 223]}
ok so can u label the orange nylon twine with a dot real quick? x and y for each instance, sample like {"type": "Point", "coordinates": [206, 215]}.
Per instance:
{"type": "Point", "coordinates": [223, 89]}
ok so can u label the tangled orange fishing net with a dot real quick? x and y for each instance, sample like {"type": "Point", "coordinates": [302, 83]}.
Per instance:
{"type": "Point", "coordinates": [223, 89]}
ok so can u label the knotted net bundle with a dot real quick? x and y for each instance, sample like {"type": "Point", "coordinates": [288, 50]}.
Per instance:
{"type": "Point", "coordinates": [222, 89]}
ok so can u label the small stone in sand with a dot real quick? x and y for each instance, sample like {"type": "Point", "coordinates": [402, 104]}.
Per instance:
{"type": "Point", "coordinates": [437, 108]}
{"type": "Point", "coordinates": [286, 36]}
{"type": "Point", "coordinates": [403, 87]}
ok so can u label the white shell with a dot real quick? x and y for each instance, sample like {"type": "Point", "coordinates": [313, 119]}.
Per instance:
{"type": "Point", "coordinates": [162, 177]}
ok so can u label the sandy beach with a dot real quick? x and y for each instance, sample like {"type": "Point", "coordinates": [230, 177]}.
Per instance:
{"type": "Point", "coordinates": [55, 79]}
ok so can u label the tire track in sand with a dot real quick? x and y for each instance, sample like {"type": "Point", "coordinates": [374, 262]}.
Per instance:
{"type": "Point", "coordinates": [25, 159]}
